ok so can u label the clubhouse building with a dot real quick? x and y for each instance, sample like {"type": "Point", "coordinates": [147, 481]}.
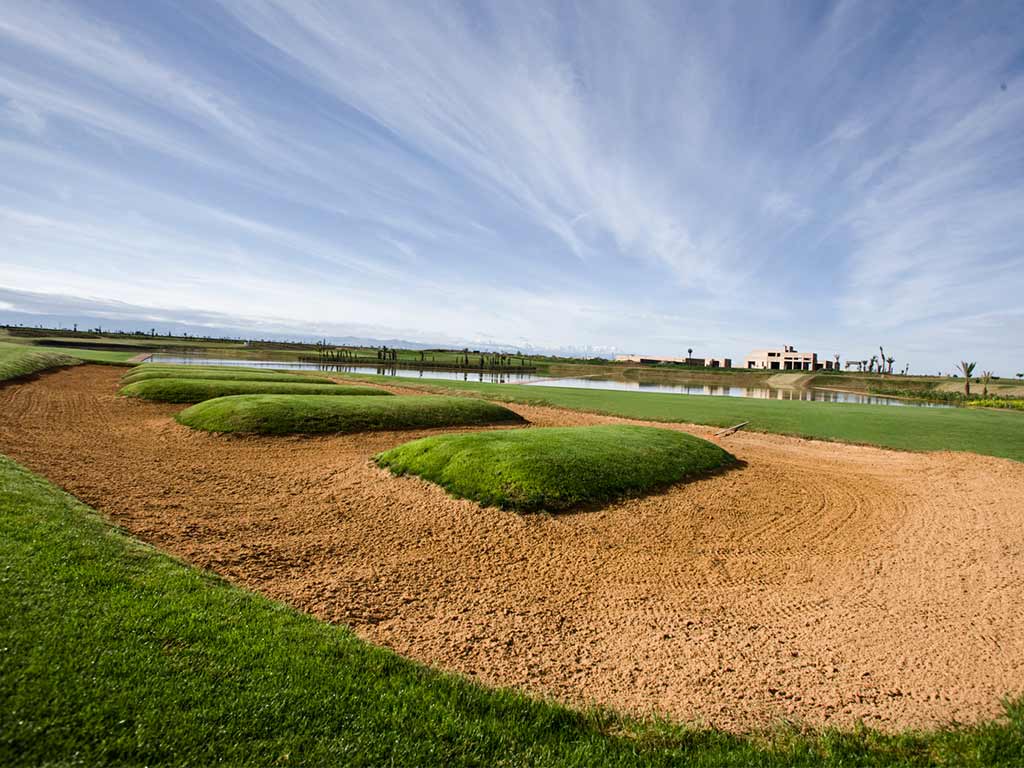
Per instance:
{"type": "Point", "coordinates": [786, 359]}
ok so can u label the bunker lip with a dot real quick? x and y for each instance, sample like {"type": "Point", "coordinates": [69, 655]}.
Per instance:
{"type": "Point", "coordinates": [824, 584]}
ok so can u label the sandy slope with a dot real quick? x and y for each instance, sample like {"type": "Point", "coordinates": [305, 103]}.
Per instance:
{"type": "Point", "coordinates": [821, 583]}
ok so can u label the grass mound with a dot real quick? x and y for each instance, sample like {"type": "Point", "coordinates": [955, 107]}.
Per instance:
{"type": "Point", "coordinates": [18, 360]}
{"type": "Point", "coordinates": [557, 467]}
{"type": "Point", "coordinates": [216, 375]}
{"type": "Point", "coordinates": [198, 390]}
{"type": "Point", "coordinates": [288, 415]}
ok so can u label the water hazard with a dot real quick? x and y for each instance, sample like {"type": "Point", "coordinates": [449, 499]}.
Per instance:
{"type": "Point", "coordinates": [588, 382]}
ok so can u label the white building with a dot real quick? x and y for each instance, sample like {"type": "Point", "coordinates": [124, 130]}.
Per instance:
{"type": "Point", "coordinates": [786, 359]}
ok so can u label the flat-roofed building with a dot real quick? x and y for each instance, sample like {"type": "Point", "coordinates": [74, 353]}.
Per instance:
{"type": "Point", "coordinates": [786, 359]}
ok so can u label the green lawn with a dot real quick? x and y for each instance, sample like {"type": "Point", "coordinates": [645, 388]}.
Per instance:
{"type": "Point", "coordinates": [197, 390]}
{"type": "Point", "coordinates": [555, 468]}
{"type": "Point", "coordinates": [18, 360]}
{"type": "Point", "coordinates": [114, 654]}
{"type": "Point", "coordinates": [909, 428]}
{"type": "Point", "coordinates": [307, 414]}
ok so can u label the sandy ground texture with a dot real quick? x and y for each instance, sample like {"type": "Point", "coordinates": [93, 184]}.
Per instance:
{"type": "Point", "coordinates": [820, 584]}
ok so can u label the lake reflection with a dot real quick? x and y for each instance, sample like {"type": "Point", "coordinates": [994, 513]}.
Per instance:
{"type": "Point", "coordinates": [589, 382]}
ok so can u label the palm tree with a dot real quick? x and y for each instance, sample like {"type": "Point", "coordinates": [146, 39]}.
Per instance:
{"type": "Point", "coordinates": [968, 370]}
{"type": "Point", "coordinates": [986, 377]}
{"type": "Point", "coordinates": [871, 365]}
{"type": "Point", "coordinates": [890, 360]}
{"type": "Point", "coordinates": [881, 360]}
{"type": "Point", "coordinates": [836, 356]}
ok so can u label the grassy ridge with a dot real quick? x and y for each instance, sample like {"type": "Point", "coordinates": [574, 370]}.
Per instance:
{"type": "Point", "coordinates": [307, 415]}
{"type": "Point", "coordinates": [212, 375]}
{"type": "Point", "coordinates": [907, 428]}
{"type": "Point", "coordinates": [555, 468]}
{"type": "Point", "coordinates": [197, 390]}
{"type": "Point", "coordinates": [18, 360]}
{"type": "Point", "coordinates": [116, 654]}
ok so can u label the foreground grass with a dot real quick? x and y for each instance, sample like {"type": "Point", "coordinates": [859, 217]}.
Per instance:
{"type": "Point", "coordinates": [18, 360]}
{"type": "Point", "coordinates": [218, 375]}
{"type": "Point", "coordinates": [198, 390]}
{"type": "Point", "coordinates": [555, 468]}
{"type": "Point", "coordinates": [114, 654]}
{"type": "Point", "coordinates": [306, 415]}
{"type": "Point", "coordinates": [907, 428]}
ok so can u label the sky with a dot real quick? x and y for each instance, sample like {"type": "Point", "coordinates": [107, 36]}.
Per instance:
{"type": "Point", "coordinates": [644, 177]}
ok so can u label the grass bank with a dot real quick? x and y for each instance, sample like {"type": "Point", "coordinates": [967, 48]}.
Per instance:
{"type": "Point", "coordinates": [17, 360]}
{"type": "Point", "coordinates": [308, 415]}
{"type": "Point", "coordinates": [908, 428]}
{"type": "Point", "coordinates": [114, 654]}
{"type": "Point", "coordinates": [198, 390]}
{"type": "Point", "coordinates": [555, 468]}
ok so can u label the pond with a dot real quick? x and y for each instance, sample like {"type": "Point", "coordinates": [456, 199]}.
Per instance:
{"type": "Point", "coordinates": [721, 390]}
{"type": "Point", "coordinates": [588, 382]}
{"type": "Point", "coordinates": [381, 370]}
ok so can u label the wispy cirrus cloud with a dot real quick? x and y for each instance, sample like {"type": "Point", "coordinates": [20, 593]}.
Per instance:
{"type": "Point", "coordinates": [651, 176]}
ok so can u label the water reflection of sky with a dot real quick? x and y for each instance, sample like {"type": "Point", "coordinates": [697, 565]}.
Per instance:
{"type": "Point", "coordinates": [693, 388]}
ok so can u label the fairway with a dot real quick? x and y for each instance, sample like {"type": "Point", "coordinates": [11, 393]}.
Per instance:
{"type": "Point", "coordinates": [556, 469]}
{"type": "Point", "coordinates": [906, 428]}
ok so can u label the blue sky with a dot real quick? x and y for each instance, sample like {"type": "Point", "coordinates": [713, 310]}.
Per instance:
{"type": "Point", "coordinates": [647, 177]}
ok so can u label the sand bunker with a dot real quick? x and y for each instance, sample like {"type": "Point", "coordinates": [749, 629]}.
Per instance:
{"type": "Point", "coordinates": [821, 583]}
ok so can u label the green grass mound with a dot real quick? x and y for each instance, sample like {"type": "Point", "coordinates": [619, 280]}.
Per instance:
{"type": "Point", "coordinates": [212, 375]}
{"type": "Point", "coordinates": [17, 360]}
{"type": "Point", "coordinates": [287, 415]}
{"type": "Point", "coordinates": [198, 390]}
{"type": "Point", "coordinates": [558, 467]}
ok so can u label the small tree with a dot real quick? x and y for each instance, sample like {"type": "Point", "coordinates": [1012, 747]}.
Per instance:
{"type": "Point", "coordinates": [890, 360]}
{"type": "Point", "coordinates": [1020, 375]}
{"type": "Point", "coordinates": [968, 370]}
{"type": "Point", "coordinates": [986, 377]}
{"type": "Point", "coordinates": [881, 360]}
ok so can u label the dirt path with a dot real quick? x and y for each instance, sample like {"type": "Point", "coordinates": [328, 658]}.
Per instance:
{"type": "Point", "coordinates": [821, 583]}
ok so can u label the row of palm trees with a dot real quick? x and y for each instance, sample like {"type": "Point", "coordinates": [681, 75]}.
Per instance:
{"type": "Point", "coordinates": [877, 364]}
